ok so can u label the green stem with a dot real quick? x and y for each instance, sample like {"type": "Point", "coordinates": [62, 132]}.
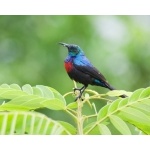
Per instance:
{"type": "Point", "coordinates": [80, 118]}
{"type": "Point", "coordinates": [91, 91]}
{"type": "Point", "coordinates": [75, 85]}
{"type": "Point", "coordinates": [90, 116]}
{"type": "Point", "coordinates": [71, 114]}
{"type": "Point", "coordinates": [67, 94]}
{"type": "Point", "coordinates": [71, 110]}
{"type": "Point", "coordinates": [92, 97]}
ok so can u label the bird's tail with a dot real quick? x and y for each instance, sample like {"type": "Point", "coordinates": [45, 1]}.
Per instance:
{"type": "Point", "coordinates": [109, 86]}
{"type": "Point", "coordinates": [112, 88]}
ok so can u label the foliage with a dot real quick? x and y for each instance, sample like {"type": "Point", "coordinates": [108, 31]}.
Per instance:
{"type": "Point", "coordinates": [19, 111]}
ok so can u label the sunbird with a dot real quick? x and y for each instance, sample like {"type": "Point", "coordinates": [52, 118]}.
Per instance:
{"type": "Point", "coordinates": [81, 70]}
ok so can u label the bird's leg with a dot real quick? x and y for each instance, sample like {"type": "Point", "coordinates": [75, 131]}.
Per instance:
{"type": "Point", "coordinates": [81, 91]}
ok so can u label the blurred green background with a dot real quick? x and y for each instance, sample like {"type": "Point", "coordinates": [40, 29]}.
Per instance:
{"type": "Point", "coordinates": [119, 46]}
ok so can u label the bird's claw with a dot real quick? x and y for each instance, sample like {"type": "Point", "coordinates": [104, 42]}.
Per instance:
{"type": "Point", "coordinates": [76, 89]}
{"type": "Point", "coordinates": [81, 90]}
{"type": "Point", "coordinates": [76, 98]}
{"type": "Point", "coordinates": [79, 94]}
{"type": "Point", "coordinates": [79, 97]}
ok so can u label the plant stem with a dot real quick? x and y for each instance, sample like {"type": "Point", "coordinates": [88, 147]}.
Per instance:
{"type": "Point", "coordinates": [80, 118]}
{"type": "Point", "coordinates": [91, 116]}
{"type": "Point", "coordinates": [67, 94]}
{"type": "Point", "coordinates": [71, 114]}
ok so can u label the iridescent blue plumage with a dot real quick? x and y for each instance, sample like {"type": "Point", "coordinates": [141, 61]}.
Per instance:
{"type": "Point", "coordinates": [80, 69]}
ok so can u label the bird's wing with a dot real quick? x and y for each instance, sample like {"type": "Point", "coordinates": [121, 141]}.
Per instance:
{"type": "Point", "coordinates": [86, 67]}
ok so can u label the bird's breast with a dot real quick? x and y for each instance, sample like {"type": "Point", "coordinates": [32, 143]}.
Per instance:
{"type": "Point", "coordinates": [68, 66]}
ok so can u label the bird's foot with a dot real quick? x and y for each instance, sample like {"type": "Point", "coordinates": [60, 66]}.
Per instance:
{"type": "Point", "coordinates": [79, 97]}
{"type": "Point", "coordinates": [81, 90]}
{"type": "Point", "coordinates": [78, 92]}
{"type": "Point", "coordinates": [77, 89]}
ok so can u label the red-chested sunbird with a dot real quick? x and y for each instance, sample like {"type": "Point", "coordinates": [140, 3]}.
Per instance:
{"type": "Point", "coordinates": [80, 69]}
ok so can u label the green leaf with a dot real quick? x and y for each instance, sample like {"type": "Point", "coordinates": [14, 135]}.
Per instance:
{"type": "Point", "coordinates": [15, 86]}
{"type": "Point", "coordinates": [123, 102]}
{"type": "Point", "coordinates": [136, 95]}
{"type": "Point", "coordinates": [10, 94]}
{"type": "Point", "coordinates": [54, 104]}
{"type": "Point", "coordinates": [5, 86]}
{"type": "Point", "coordinates": [118, 93]}
{"type": "Point", "coordinates": [37, 91]}
{"type": "Point", "coordinates": [57, 95]}
{"type": "Point", "coordinates": [146, 102]}
{"type": "Point", "coordinates": [94, 131]}
{"type": "Point", "coordinates": [120, 125]}
{"type": "Point", "coordinates": [27, 88]}
{"type": "Point", "coordinates": [72, 105]}
{"type": "Point", "coordinates": [13, 107]}
{"type": "Point", "coordinates": [103, 112]}
{"type": "Point", "coordinates": [68, 127]}
{"type": "Point", "coordinates": [46, 92]}
{"type": "Point", "coordinates": [137, 118]}
{"type": "Point", "coordinates": [30, 101]}
{"type": "Point", "coordinates": [143, 107]}
{"type": "Point", "coordinates": [145, 93]}
{"type": "Point", "coordinates": [134, 116]}
{"type": "Point", "coordinates": [30, 123]}
{"type": "Point", "coordinates": [113, 106]}
{"type": "Point", "coordinates": [104, 130]}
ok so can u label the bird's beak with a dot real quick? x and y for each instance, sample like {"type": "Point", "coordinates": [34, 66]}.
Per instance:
{"type": "Point", "coordinates": [64, 44]}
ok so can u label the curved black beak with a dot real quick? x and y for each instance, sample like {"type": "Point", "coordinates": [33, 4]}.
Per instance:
{"type": "Point", "coordinates": [64, 44]}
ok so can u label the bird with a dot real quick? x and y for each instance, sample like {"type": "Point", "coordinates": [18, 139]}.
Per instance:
{"type": "Point", "coordinates": [81, 70]}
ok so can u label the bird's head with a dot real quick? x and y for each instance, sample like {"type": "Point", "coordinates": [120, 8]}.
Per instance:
{"type": "Point", "coordinates": [73, 50]}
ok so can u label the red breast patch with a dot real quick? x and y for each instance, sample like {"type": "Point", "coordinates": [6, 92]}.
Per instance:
{"type": "Point", "coordinates": [68, 66]}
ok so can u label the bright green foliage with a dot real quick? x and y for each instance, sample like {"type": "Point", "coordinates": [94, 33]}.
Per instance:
{"type": "Point", "coordinates": [29, 98]}
{"type": "Point", "coordinates": [121, 112]}
{"type": "Point", "coordinates": [119, 124]}
{"type": "Point", "coordinates": [121, 116]}
{"type": "Point", "coordinates": [31, 123]}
